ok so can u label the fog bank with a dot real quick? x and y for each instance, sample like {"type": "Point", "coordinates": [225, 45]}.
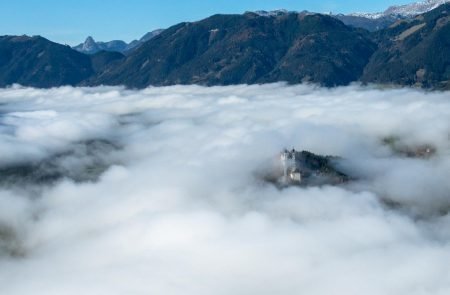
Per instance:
{"type": "Point", "coordinates": [113, 191]}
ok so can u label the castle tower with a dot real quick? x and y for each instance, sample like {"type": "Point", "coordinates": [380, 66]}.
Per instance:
{"type": "Point", "coordinates": [287, 161]}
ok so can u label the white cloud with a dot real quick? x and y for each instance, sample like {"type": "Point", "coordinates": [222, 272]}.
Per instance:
{"type": "Point", "coordinates": [177, 208]}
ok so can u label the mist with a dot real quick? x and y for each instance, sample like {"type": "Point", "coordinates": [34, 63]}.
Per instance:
{"type": "Point", "coordinates": [158, 191]}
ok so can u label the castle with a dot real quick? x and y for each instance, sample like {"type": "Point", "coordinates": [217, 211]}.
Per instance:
{"type": "Point", "coordinates": [291, 172]}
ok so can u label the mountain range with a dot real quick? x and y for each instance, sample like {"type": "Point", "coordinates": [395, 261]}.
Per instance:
{"type": "Point", "coordinates": [406, 10]}
{"type": "Point", "coordinates": [251, 48]}
{"type": "Point", "coordinates": [90, 46]}
{"type": "Point", "coordinates": [380, 20]}
{"type": "Point", "coordinates": [368, 21]}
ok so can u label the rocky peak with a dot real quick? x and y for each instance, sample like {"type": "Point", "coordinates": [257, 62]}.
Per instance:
{"type": "Point", "coordinates": [90, 45]}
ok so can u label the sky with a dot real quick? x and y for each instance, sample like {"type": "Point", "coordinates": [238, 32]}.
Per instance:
{"type": "Point", "coordinates": [71, 21]}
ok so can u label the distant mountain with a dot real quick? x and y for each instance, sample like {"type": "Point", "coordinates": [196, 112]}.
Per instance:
{"type": "Point", "coordinates": [407, 10]}
{"type": "Point", "coordinates": [150, 35]}
{"type": "Point", "coordinates": [368, 23]}
{"type": "Point", "coordinates": [38, 62]}
{"type": "Point", "coordinates": [374, 21]}
{"type": "Point", "coordinates": [90, 46]}
{"type": "Point", "coordinates": [253, 48]}
{"type": "Point", "coordinates": [354, 20]}
{"type": "Point", "coordinates": [413, 52]}
{"type": "Point", "coordinates": [136, 43]}
{"type": "Point", "coordinates": [249, 48]}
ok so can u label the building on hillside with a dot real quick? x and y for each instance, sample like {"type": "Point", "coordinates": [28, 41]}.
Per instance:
{"type": "Point", "coordinates": [291, 172]}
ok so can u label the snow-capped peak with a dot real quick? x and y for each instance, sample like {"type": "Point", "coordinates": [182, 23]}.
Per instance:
{"type": "Point", "coordinates": [405, 10]}
{"type": "Point", "coordinates": [415, 8]}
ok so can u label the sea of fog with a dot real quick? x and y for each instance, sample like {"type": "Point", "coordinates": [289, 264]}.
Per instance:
{"type": "Point", "coordinates": [113, 191]}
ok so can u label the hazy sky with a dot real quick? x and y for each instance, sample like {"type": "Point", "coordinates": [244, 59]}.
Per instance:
{"type": "Point", "coordinates": [70, 21]}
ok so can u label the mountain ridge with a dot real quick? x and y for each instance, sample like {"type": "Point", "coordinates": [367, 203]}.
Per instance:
{"type": "Point", "coordinates": [247, 49]}
{"type": "Point", "coordinates": [414, 52]}
{"type": "Point", "coordinates": [406, 10]}
{"type": "Point", "coordinates": [90, 46]}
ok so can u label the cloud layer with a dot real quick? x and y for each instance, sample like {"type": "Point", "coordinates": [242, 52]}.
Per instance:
{"type": "Point", "coordinates": [113, 191]}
